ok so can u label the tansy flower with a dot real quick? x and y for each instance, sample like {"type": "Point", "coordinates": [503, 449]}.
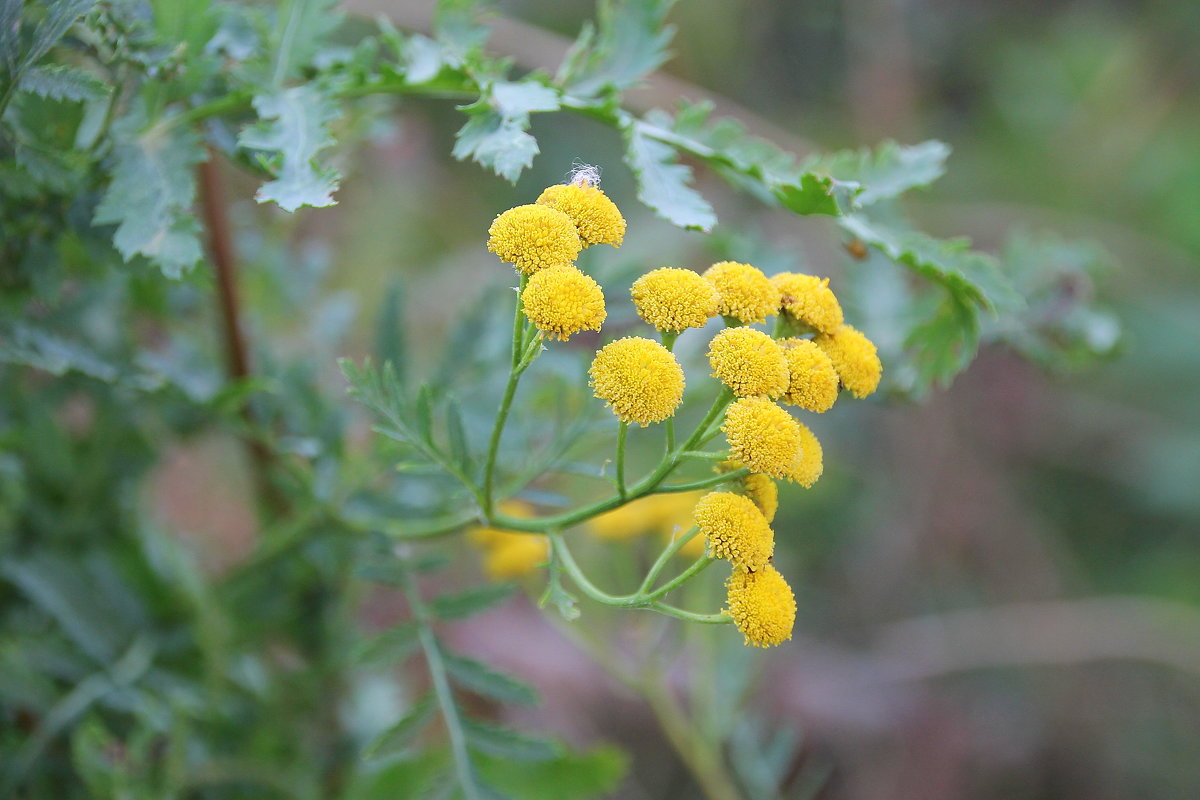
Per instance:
{"type": "Point", "coordinates": [650, 514]}
{"type": "Point", "coordinates": [747, 295]}
{"type": "Point", "coordinates": [597, 218]}
{"type": "Point", "coordinates": [762, 606]}
{"type": "Point", "coordinates": [735, 530]}
{"type": "Point", "coordinates": [749, 362]}
{"type": "Point", "coordinates": [762, 436]}
{"type": "Point", "coordinates": [515, 555]}
{"type": "Point", "coordinates": [672, 299]}
{"type": "Point", "coordinates": [809, 300]}
{"type": "Point", "coordinates": [761, 490]}
{"type": "Point", "coordinates": [534, 237]}
{"type": "Point", "coordinates": [812, 380]}
{"type": "Point", "coordinates": [562, 301]}
{"type": "Point", "coordinates": [854, 357]}
{"type": "Point", "coordinates": [638, 378]}
{"type": "Point", "coordinates": [811, 462]}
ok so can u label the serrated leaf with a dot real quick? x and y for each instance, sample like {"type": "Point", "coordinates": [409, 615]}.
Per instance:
{"type": "Point", "coordinates": [151, 194]}
{"type": "Point", "coordinates": [396, 738]}
{"type": "Point", "coordinates": [569, 776]}
{"type": "Point", "coordinates": [497, 142]}
{"type": "Point", "coordinates": [521, 98]}
{"type": "Point", "coordinates": [887, 171]}
{"type": "Point", "coordinates": [393, 646]}
{"type": "Point", "coordinates": [663, 183]}
{"type": "Point", "coordinates": [951, 262]}
{"type": "Point", "coordinates": [495, 740]}
{"type": "Point", "coordinates": [628, 42]}
{"type": "Point", "coordinates": [292, 130]}
{"type": "Point", "coordinates": [63, 82]}
{"type": "Point", "coordinates": [946, 343]}
{"type": "Point", "coordinates": [59, 16]}
{"type": "Point", "coordinates": [811, 195]}
{"type": "Point", "coordinates": [472, 601]}
{"type": "Point", "coordinates": [456, 23]}
{"type": "Point", "coordinates": [482, 679]}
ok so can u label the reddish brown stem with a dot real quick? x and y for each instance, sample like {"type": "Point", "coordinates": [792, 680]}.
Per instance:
{"type": "Point", "coordinates": [237, 360]}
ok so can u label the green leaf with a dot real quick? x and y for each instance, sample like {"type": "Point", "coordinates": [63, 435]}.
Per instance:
{"type": "Point", "coordinates": [63, 82]}
{"type": "Point", "coordinates": [496, 140]}
{"type": "Point", "coordinates": [480, 678]}
{"type": "Point", "coordinates": [569, 776]}
{"type": "Point", "coordinates": [495, 740]}
{"type": "Point", "coordinates": [629, 41]}
{"type": "Point", "coordinates": [556, 595]}
{"type": "Point", "coordinates": [385, 569]}
{"type": "Point", "coordinates": [888, 171]}
{"type": "Point", "coordinates": [302, 26]}
{"type": "Point", "coordinates": [811, 195]}
{"type": "Point", "coordinates": [151, 194]}
{"type": "Point", "coordinates": [391, 339]}
{"type": "Point", "coordinates": [456, 433]}
{"type": "Point", "coordinates": [519, 99]}
{"type": "Point", "coordinates": [472, 601]}
{"type": "Point", "coordinates": [423, 413]}
{"type": "Point", "coordinates": [33, 347]}
{"type": "Point", "coordinates": [293, 129]}
{"type": "Point", "coordinates": [59, 16]}
{"type": "Point", "coordinates": [396, 738]}
{"type": "Point", "coordinates": [951, 262]}
{"type": "Point", "coordinates": [393, 646]}
{"type": "Point", "coordinates": [945, 344]}
{"type": "Point", "coordinates": [663, 183]}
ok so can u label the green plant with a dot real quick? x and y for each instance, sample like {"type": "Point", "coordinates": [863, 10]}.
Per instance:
{"type": "Point", "coordinates": [128, 670]}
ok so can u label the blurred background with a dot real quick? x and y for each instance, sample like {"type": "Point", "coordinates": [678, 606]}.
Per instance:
{"type": "Point", "coordinates": [998, 583]}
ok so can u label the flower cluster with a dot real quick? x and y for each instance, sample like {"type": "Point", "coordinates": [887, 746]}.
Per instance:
{"type": "Point", "coordinates": [809, 359]}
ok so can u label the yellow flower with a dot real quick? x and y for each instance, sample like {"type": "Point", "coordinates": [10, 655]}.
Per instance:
{"type": "Point", "coordinates": [811, 463]}
{"type": "Point", "coordinates": [762, 436]}
{"type": "Point", "coordinates": [762, 606]}
{"type": "Point", "coordinates": [534, 237]}
{"type": "Point", "coordinates": [515, 555]}
{"type": "Point", "coordinates": [597, 218]}
{"type": "Point", "coordinates": [809, 300]}
{"type": "Point", "coordinates": [764, 494]}
{"type": "Point", "coordinates": [639, 378]}
{"type": "Point", "coordinates": [672, 299]}
{"type": "Point", "coordinates": [507, 554]}
{"type": "Point", "coordinates": [854, 357]}
{"type": "Point", "coordinates": [812, 382]}
{"type": "Point", "coordinates": [562, 301]}
{"type": "Point", "coordinates": [749, 362]}
{"type": "Point", "coordinates": [735, 530]}
{"type": "Point", "coordinates": [650, 514]}
{"type": "Point", "coordinates": [747, 295]}
{"type": "Point", "coordinates": [761, 490]}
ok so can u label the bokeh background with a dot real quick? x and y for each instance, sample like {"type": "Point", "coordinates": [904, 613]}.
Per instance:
{"type": "Point", "coordinates": [999, 583]}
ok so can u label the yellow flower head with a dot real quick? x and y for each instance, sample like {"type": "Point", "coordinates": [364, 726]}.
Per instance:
{"type": "Point", "coordinates": [597, 218]}
{"type": "Point", "coordinates": [655, 513]}
{"type": "Point", "coordinates": [749, 362]}
{"type": "Point", "coordinates": [761, 490]}
{"type": "Point", "coordinates": [762, 436]}
{"type": "Point", "coordinates": [515, 555]}
{"type": "Point", "coordinates": [747, 295]}
{"type": "Point", "coordinates": [812, 382]}
{"type": "Point", "coordinates": [762, 606]}
{"type": "Point", "coordinates": [672, 299]}
{"type": "Point", "coordinates": [854, 357]}
{"type": "Point", "coordinates": [735, 530]}
{"type": "Point", "coordinates": [811, 463]}
{"type": "Point", "coordinates": [639, 378]}
{"type": "Point", "coordinates": [562, 301]}
{"type": "Point", "coordinates": [808, 299]}
{"type": "Point", "coordinates": [485, 535]}
{"type": "Point", "coordinates": [534, 237]}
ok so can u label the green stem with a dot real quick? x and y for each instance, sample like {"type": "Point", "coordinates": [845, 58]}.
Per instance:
{"type": "Point", "coordinates": [704, 483]}
{"type": "Point", "coordinates": [622, 433]}
{"type": "Point", "coordinates": [510, 390]}
{"type": "Point", "coordinates": [671, 549]}
{"type": "Point", "coordinates": [700, 455]}
{"type": "Point", "coordinates": [441, 690]}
